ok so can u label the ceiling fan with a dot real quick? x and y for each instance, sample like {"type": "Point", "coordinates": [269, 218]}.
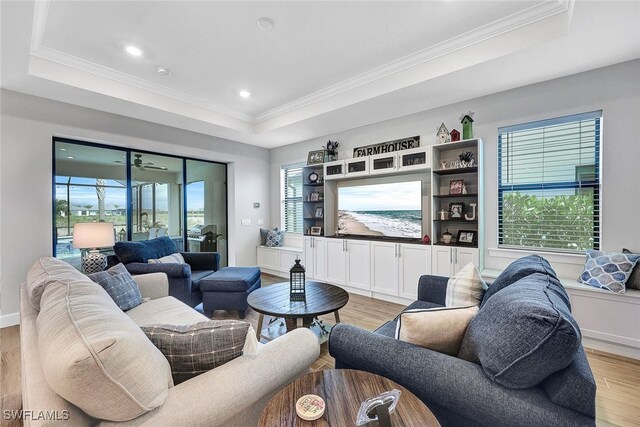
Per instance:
{"type": "Point", "coordinates": [137, 162]}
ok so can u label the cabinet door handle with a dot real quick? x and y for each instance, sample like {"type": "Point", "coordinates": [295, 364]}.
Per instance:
{"type": "Point", "coordinates": [456, 249]}
{"type": "Point", "coordinates": [451, 256]}
{"type": "Point", "coordinates": [398, 249]}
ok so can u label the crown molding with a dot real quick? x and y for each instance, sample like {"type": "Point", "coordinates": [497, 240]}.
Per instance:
{"type": "Point", "coordinates": [101, 71]}
{"type": "Point", "coordinates": [495, 29]}
{"type": "Point", "coordinates": [41, 12]}
{"type": "Point", "coordinates": [508, 24]}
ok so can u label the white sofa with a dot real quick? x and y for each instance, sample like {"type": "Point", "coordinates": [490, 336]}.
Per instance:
{"type": "Point", "coordinates": [231, 395]}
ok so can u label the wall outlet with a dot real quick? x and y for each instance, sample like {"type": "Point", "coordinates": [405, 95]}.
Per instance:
{"type": "Point", "coordinates": [246, 222]}
{"type": "Point", "coordinates": [261, 222]}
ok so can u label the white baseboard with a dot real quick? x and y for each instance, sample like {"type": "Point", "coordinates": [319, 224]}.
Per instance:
{"type": "Point", "coordinates": [7, 320]}
{"type": "Point", "coordinates": [610, 347]}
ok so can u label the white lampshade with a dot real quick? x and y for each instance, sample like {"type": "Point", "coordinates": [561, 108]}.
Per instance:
{"type": "Point", "coordinates": [93, 235]}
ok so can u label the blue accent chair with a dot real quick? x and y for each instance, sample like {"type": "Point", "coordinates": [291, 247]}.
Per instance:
{"type": "Point", "coordinates": [461, 392]}
{"type": "Point", "coordinates": [184, 279]}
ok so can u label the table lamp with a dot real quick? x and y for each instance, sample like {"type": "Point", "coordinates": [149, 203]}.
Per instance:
{"type": "Point", "coordinates": [93, 235]}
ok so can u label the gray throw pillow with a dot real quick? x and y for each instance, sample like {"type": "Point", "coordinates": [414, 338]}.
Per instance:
{"type": "Point", "coordinates": [197, 348]}
{"type": "Point", "coordinates": [120, 286]}
{"type": "Point", "coordinates": [263, 235]}
{"type": "Point", "coordinates": [634, 280]}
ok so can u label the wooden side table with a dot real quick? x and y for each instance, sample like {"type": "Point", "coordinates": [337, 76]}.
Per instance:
{"type": "Point", "coordinates": [343, 390]}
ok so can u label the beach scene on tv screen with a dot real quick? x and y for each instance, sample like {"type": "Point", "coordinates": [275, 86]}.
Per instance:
{"type": "Point", "coordinates": [389, 210]}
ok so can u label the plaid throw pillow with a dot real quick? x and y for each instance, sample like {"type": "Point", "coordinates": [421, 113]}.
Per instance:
{"type": "Point", "coordinates": [120, 286]}
{"type": "Point", "coordinates": [465, 288]}
{"type": "Point", "coordinates": [608, 271]}
{"type": "Point", "coordinates": [197, 348]}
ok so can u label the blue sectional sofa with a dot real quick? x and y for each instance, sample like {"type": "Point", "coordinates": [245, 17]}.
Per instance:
{"type": "Point", "coordinates": [184, 279]}
{"type": "Point", "coordinates": [521, 362]}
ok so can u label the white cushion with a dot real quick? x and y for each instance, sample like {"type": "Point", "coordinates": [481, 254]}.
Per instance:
{"type": "Point", "coordinates": [175, 258]}
{"type": "Point", "coordinates": [96, 357]}
{"type": "Point", "coordinates": [465, 288]}
{"type": "Point", "coordinates": [440, 329]}
{"type": "Point", "coordinates": [167, 310]}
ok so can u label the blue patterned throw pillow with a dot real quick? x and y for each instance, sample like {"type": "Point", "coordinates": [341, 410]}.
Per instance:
{"type": "Point", "coordinates": [275, 239]}
{"type": "Point", "coordinates": [120, 286]}
{"type": "Point", "coordinates": [608, 271]}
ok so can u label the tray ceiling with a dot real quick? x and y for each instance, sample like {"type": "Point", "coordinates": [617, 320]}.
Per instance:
{"type": "Point", "coordinates": [319, 59]}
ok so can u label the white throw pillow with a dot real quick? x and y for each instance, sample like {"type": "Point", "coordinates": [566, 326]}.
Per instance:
{"type": "Point", "coordinates": [169, 259]}
{"type": "Point", "coordinates": [465, 288]}
{"type": "Point", "coordinates": [440, 329]}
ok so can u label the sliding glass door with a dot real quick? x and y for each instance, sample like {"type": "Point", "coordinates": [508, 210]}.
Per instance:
{"type": "Point", "coordinates": [90, 186]}
{"type": "Point", "coordinates": [156, 190]}
{"type": "Point", "coordinates": [207, 207]}
{"type": "Point", "coordinates": [143, 194]}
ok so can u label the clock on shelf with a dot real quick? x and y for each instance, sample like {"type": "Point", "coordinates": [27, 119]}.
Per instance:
{"type": "Point", "coordinates": [313, 178]}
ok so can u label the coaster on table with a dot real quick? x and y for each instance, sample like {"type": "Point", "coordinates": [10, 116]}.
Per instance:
{"type": "Point", "coordinates": [310, 407]}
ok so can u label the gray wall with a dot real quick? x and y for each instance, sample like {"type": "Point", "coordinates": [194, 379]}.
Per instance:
{"type": "Point", "coordinates": [27, 126]}
{"type": "Point", "coordinates": [615, 90]}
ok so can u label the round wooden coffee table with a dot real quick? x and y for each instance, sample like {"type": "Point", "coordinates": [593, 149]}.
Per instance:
{"type": "Point", "coordinates": [343, 390]}
{"type": "Point", "coordinates": [321, 298]}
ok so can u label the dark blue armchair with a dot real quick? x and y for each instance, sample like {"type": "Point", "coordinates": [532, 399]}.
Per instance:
{"type": "Point", "coordinates": [184, 279]}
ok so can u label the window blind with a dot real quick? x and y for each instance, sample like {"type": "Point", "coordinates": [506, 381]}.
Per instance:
{"type": "Point", "coordinates": [292, 200]}
{"type": "Point", "coordinates": [549, 183]}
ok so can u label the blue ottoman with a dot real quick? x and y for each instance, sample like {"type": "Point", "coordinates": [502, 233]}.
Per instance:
{"type": "Point", "coordinates": [228, 288]}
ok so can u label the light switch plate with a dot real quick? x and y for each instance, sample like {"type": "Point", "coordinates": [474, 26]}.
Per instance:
{"type": "Point", "coordinates": [246, 222]}
{"type": "Point", "coordinates": [261, 222]}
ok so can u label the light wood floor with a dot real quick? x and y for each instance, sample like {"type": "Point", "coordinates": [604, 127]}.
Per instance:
{"type": "Point", "coordinates": [618, 378]}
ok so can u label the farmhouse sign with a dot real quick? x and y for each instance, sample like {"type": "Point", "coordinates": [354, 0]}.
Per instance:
{"type": "Point", "coordinates": [387, 147]}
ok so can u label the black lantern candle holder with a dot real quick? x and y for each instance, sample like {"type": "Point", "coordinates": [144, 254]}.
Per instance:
{"type": "Point", "coordinates": [296, 282]}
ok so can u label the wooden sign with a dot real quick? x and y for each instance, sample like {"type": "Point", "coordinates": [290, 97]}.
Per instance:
{"type": "Point", "coordinates": [387, 147]}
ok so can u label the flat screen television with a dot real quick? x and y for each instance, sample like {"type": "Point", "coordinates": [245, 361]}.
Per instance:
{"type": "Point", "coordinates": [384, 210]}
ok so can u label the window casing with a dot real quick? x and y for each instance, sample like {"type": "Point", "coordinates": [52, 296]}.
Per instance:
{"type": "Point", "coordinates": [292, 212]}
{"type": "Point", "coordinates": [549, 184]}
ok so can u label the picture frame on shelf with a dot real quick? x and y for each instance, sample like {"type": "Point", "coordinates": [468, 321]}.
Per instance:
{"type": "Point", "coordinates": [315, 196]}
{"type": "Point", "coordinates": [467, 237]}
{"type": "Point", "coordinates": [456, 187]}
{"type": "Point", "coordinates": [456, 210]}
{"type": "Point", "coordinates": [315, 231]}
{"type": "Point", "coordinates": [319, 212]}
{"type": "Point", "coordinates": [316, 157]}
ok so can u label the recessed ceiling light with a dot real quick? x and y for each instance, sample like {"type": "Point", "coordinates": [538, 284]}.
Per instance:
{"type": "Point", "coordinates": [265, 23]}
{"type": "Point", "coordinates": [133, 50]}
{"type": "Point", "coordinates": [71, 157]}
{"type": "Point", "coordinates": [244, 93]}
{"type": "Point", "coordinates": [163, 71]}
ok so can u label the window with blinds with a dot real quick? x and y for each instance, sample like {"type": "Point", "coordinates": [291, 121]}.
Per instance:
{"type": "Point", "coordinates": [292, 198]}
{"type": "Point", "coordinates": [549, 184]}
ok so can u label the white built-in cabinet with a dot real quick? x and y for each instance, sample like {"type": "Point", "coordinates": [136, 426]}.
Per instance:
{"type": "Point", "coordinates": [315, 257]}
{"type": "Point", "coordinates": [348, 263]}
{"type": "Point", "coordinates": [396, 268]}
{"type": "Point", "coordinates": [413, 261]}
{"type": "Point", "coordinates": [358, 264]}
{"type": "Point", "coordinates": [448, 260]}
{"type": "Point", "coordinates": [336, 261]}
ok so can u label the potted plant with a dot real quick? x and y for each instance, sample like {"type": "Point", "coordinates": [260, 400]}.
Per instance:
{"type": "Point", "coordinates": [331, 150]}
